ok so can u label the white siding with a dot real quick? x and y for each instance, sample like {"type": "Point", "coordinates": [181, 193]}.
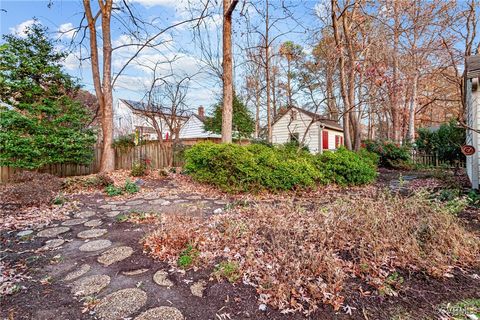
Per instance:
{"type": "Point", "coordinates": [282, 129]}
{"type": "Point", "coordinates": [193, 128]}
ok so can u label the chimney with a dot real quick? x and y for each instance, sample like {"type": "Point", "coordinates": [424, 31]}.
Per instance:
{"type": "Point", "coordinates": [201, 112]}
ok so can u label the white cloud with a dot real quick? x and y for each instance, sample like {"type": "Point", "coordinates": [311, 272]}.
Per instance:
{"type": "Point", "coordinates": [21, 29]}
{"type": "Point", "coordinates": [66, 30]}
{"type": "Point", "coordinates": [152, 3]}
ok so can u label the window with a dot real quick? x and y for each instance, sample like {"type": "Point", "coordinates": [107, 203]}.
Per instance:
{"type": "Point", "coordinates": [338, 141]}
{"type": "Point", "coordinates": [295, 137]}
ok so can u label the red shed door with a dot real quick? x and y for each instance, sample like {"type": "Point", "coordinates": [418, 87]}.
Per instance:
{"type": "Point", "coordinates": [325, 140]}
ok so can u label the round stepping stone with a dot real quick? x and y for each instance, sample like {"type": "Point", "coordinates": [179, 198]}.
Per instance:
{"type": "Point", "coordinates": [108, 206]}
{"type": "Point", "coordinates": [73, 222]}
{"type": "Point", "coordinates": [157, 201]}
{"type": "Point", "coordinates": [92, 233]}
{"type": "Point", "coordinates": [197, 288]}
{"type": "Point", "coordinates": [112, 214]}
{"type": "Point", "coordinates": [135, 202]}
{"type": "Point", "coordinates": [121, 304]}
{"type": "Point", "coordinates": [134, 272]}
{"type": "Point", "coordinates": [84, 214]}
{"type": "Point", "coordinates": [93, 223]}
{"type": "Point", "coordinates": [24, 233]}
{"type": "Point", "coordinates": [84, 268]}
{"type": "Point", "coordinates": [160, 278]}
{"type": "Point", "coordinates": [52, 232]}
{"type": "Point", "coordinates": [90, 285]}
{"type": "Point", "coordinates": [95, 245]}
{"type": "Point", "coordinates": [115, 255]}
{"type": "Point", "coordinates": [53, 243]}
{"type": "Point", "coordinates": [161, 313]}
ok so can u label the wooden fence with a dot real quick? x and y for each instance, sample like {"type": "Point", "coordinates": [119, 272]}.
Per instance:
{"type": "Point", "coordinates": [124, 159]}
{"type": "Point", "coordinates": [432, 160]}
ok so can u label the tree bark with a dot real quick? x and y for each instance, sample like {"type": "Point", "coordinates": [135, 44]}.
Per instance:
{"type": "Point", "coordinates": [412, 109]}
{"type": "Point", "coordinates": [267, 76]}
{"type": "Point", "coordinates": [227, 111]}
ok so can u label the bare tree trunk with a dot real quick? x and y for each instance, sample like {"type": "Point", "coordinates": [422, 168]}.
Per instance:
{"type": "Point", "coordinates": [267, 76]}
{"type": "Point", "coordinates": [227, 112]}
{"type": "Point", "coordinates": [257, 109]}
{"type": "Point", "coordinates": [413, 108]}
{"type": "Point", "coordinates": [103, 91]}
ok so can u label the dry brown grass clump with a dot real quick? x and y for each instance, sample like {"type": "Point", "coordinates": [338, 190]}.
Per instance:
{"type": "Point", "coordinates": [297, 258]}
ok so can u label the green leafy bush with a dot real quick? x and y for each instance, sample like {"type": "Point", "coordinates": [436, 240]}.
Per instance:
{"type": "Point", "coordinates": [188, 257]}
{"type": "Point", "coordinates": [124, 142]}
{"type": "Point", "coordinates": [138, 169]}
{"type": "Point", "coordinates": [257, 167]}
{"type": "Point", "coordinates": [391, 154]}
{"type": "Point", "coordinates": [369, 156]}
{"type": "Point", "coordinates": [111, 190]}
{"type": "Point", "coordinates": [344, 168]}
{"type": "Point", "coordinates": [446, 142]}
{"type": "Point", "coordinates": [131, 187]}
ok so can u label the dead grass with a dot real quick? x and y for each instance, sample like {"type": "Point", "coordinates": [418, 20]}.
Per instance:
{"type": "Point", "coordinates": [298, 258]}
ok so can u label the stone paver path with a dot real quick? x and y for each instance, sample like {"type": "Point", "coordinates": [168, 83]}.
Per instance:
{"type": "Point", "coordinates": [101, 262]}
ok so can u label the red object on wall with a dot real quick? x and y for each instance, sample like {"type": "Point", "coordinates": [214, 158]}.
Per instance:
{"type": "Point", "coordinates": [166, 136]}
{"type": "Point", "coordinates": [325, 140]}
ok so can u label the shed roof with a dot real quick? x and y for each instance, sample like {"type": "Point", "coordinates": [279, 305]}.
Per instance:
{"type": "Point", "coordinates": [472, 67]}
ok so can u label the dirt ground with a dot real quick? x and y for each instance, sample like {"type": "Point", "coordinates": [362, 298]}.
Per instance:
{"type": "Point", "coordinates": [43, 293]}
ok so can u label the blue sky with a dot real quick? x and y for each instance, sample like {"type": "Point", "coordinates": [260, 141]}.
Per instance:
{"type": "Point", "coordinates": [62, 15]}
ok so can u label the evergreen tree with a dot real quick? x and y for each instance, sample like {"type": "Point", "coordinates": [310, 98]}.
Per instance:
{"type": "Point", "coordinates": [243, 123]}
{"type": "Point", "coordinates": [40, 123]}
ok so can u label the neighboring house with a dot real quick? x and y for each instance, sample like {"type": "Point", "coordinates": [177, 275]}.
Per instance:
{"type": "Point", "coordinates": [472, 101]}
{"type": "Point", "coordinates": [193, 130]}
{"type": "Point", "coordinates": [131, 116]}
{"type": "Point", "coordinates": [311, 129]}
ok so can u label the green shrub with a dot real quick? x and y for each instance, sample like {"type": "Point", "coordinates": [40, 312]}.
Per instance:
{"type": "Point", "coordinates": [111, 190]}
{"type": "Point", "coordinates": [370, 156]}
{"type": "Point", "coordinates": [124, 142]}
{"type": "Point", "coordinates": [255, 167]}
{"type": "Point", "coordinates": [138, 169]}
{"type": "Point", "coordinates": [345, 167]}
{"type": "Point", "coordinates": [229, 270]}
{"type": "Point", "coordinates": [131, 187]}
{"type": "Point", "coordinates": [391, 154]}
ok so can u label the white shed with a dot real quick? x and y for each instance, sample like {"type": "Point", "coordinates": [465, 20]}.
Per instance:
{"type": "Point", "coordinates": [193, 128]}
{"type": "Point", "coordinates": [308, 128]}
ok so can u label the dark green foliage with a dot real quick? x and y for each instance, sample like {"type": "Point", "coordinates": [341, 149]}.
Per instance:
{"type": "Point", "coordinates": [188, 257]}
{"type": "Point", "coordinates": [446, 141]}
{"type": "Point", "coordinates": [242, 122]}
{"type": "Point", "coordinates": [124, 142]}
{"type": "Point", "coordinates": [42, 124]}
{"type": "Point", "coordinates": [370, 156]}
{"type": "Point", "coordinates": [258, 167]}
{"type": "Point", "coordinates": [344, 168]}
{"type": "Point", "coordinates": [391, 154]}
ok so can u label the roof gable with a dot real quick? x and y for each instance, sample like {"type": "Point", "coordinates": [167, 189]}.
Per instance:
{"type": "Point", "coordinates": [328, 123]}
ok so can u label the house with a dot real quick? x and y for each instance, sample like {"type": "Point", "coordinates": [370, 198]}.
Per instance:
{"type": "Point", "coordinates": [131, 116]}
{"type": "Point", "coordinates": [193, 130]}
{"type": "Point", "coordinates": [311, 129]}
{"type": "Point", "coordinates": [472, 103]}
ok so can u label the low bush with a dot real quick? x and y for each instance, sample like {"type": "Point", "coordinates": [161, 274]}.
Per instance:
{"type": "Point", "coordinates": [138, 169]}
{"type": "Point", "coordinates": [344, 168]}
{"type": "Point", "coordinates": [100, 180]}
{"type": "Point", "coordinates": [256, 167]}
{"type": "Point", "coordinates": [391, 155]}
{"type": "Point", "coordinates": [298, 258]}
{"type": "Point", "coordinates": [131, 187]}
{"type": "Point", "coordinates": [111, 190]}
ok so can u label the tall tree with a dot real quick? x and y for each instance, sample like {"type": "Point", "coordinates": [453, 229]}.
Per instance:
{"type": "Point", "coordinates": [144, 34]}
{"type": "Point", "coordinates": [228, 7]}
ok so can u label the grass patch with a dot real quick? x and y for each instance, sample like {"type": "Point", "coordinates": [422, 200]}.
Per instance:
{"type": "Point", "coordinates": [229, 270]}
{"type": "Point", "coordinates": [463, 310]}
{"type": "Point", "coordinates": [188, 257]}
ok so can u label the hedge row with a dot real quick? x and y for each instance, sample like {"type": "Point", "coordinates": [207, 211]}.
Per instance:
{"type": "Point", "coordinates": [256, 167]}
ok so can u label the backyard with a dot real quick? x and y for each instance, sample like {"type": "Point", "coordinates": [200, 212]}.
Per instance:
{"type": "Point", "coordinates": [404, 247]}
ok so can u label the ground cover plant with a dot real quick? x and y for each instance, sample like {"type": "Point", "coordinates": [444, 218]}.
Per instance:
{"type": "Point", "coordinates": [256, 167]}
{"type": "Point", "coordinates": [298, 258]}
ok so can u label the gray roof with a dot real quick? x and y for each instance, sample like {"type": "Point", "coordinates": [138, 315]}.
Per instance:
{"type": "Point", "coordinates": [472, 67]}
{"type": "Point", "coordinates": [150, 108]}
